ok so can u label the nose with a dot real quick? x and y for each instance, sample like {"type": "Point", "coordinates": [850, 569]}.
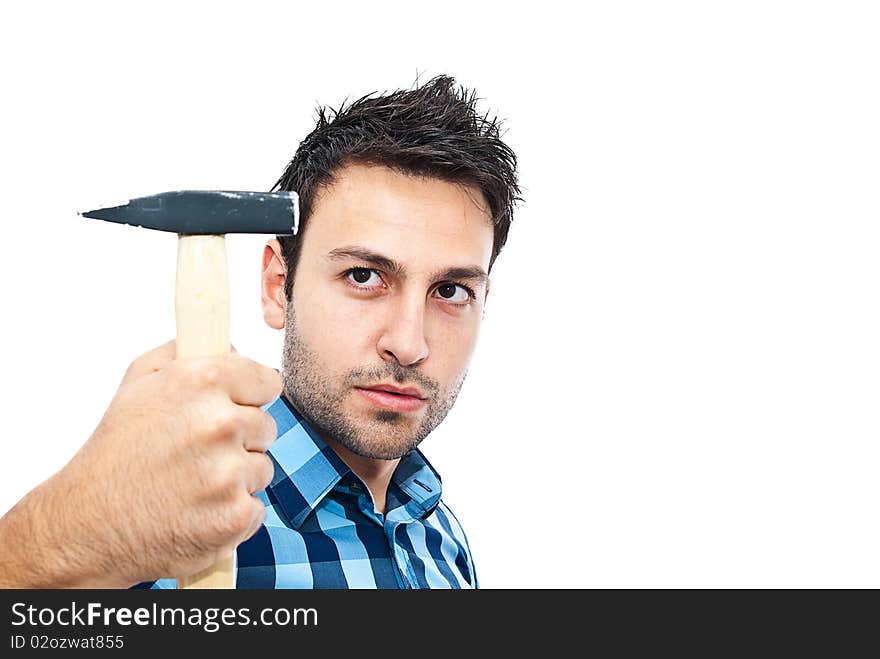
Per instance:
{"type": "Point", "coordinates": [403, 338]}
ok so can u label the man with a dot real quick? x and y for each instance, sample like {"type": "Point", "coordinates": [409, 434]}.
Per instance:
{"type": "Point", "coordinates": [406, 201]}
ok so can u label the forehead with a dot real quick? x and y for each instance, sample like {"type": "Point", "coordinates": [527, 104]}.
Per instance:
{"type": "Point", "coordinates": [415, 220]}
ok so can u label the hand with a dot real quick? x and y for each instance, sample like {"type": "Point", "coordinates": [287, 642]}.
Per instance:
{"type": "Point", "coordinates": [163, 487]}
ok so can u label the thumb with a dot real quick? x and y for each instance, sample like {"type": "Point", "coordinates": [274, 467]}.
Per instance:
{"type": "Point", "coordinates": [151, 361]}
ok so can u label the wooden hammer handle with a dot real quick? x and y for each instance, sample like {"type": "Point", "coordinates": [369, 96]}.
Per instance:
{"type": "Point", "coordinates": [202, 312]}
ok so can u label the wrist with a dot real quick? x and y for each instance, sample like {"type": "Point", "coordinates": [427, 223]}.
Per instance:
{"type": "Point", "coordinates": [75, 535]}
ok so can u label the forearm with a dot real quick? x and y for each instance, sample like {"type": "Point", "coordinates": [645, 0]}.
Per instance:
{"type": "Point", "coordinates": [40, 547]}
{"type": "Point", "coordinates": [21, 553]}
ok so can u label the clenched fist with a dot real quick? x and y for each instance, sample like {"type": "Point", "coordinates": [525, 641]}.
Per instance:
{"type": "Point", "coordinates": [163, 487]}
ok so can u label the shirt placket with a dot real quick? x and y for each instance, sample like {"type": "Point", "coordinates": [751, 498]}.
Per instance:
{"type": "Point", "coordinates": [400, 557]}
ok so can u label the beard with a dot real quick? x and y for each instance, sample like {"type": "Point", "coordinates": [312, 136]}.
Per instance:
{"type": "Point", "coordinates": [320, 397]}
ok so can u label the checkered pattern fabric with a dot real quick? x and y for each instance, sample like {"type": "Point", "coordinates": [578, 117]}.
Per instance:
{"type": "Point", "coordinates": [321, 530]}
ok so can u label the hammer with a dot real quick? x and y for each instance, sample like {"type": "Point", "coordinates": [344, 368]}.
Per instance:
{"type": "Point", "coordinates": [201, 218]}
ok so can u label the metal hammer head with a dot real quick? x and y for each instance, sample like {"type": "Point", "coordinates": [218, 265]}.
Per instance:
{"type": "Point", "coordinates": [208, 212]}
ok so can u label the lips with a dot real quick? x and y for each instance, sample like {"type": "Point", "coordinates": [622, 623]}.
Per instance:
{"type": "Point", "coordinates": [397, 399]}
{"type": "Point", "coordinates": [391, 389]}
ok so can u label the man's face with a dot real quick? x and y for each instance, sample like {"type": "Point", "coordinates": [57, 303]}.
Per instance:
{"type": "Point", "coordinates": [388, 293]}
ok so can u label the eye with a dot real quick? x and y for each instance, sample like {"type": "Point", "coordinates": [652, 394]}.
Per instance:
{"type": "Point", "coordinates": [362, 278]}
{"type": "Point", "coordinates": [455, 293]}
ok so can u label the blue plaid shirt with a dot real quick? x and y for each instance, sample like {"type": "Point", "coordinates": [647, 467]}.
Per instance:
{"type": "Point", "coordinates": [321, 530]}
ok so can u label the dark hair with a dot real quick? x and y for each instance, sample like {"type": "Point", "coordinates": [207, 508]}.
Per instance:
{"type": "Point", "coordinates": [433, 131]}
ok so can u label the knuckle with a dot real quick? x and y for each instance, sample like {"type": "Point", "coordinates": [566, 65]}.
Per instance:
{"type": "Point", "coordinates": [271, 427]}
{"type": "Point", "coordinates": [209, 373]}
{"type": "Point", "coordinates": [226, 525]}
{"type": "Point", "coordinates": [134, 366]}
{"type": "Point", "coordinates": [199, 373]}
{"type": "Point", "coordinates": [259, 430]}
{"type": "Point", "coordinates": [227, 478]}
{"type": "Point", "coordinates": [242, 514]}
{"type": "Point", "coordinates": [257, 517]}
{"type": "Point", "coordinates": [225, 425]}
{"type": "Point", "coordinates": [263, 428]}
{"type": "Point", "coordinates": [233, 519]}
{"type": "Point", "coordinates": [267, 470]}
{"type": "Point", "coordinates": [260, 515]}
{"type": "Point", "coordinates": [258, 509]}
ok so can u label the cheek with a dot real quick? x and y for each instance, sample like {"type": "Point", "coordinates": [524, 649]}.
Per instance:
{"type": "Point", "coordinates": [452, 344]}
{"type": "Point", "coordinates": [332, 325]}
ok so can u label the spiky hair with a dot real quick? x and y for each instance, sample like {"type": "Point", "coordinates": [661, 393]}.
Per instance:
{"type": "Point", "coordinates": [432, 130]}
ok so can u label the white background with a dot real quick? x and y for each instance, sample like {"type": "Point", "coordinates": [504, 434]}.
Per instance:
{"type": "Point", "coordinates": [677, 377]}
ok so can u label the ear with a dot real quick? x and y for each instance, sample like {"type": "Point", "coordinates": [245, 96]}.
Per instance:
{"type": "Point", "coordinates": [273, 277]}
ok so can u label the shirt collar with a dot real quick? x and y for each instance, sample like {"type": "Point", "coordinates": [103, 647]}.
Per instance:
{"type": "Point", "coordinates": [307, 469]}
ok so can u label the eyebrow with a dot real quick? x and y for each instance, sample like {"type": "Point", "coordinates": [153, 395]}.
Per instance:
{"type": "Point", "coordinates": [472, 273]}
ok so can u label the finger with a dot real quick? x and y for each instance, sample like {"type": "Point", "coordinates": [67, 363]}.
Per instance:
{"type": "Point", "coordinates": [248, 382]}
{"type": "Point", "coordinates": [259, 515]}
{"type": "Point", "coordinates": [259, 429]}
{"type": "Point", "coordinates": [258, 471]}
{"type": "Point", "coordinates": [151, 361]}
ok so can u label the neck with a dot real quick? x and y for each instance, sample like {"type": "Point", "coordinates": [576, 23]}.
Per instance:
{"type": "Point", "coordinates": [376, 474]}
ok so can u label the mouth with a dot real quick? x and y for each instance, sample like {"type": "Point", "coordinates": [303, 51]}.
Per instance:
{"type": "Point", "coordinates": [397, 399]}
{"type": "Point", "coordinates": [400, 391]}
